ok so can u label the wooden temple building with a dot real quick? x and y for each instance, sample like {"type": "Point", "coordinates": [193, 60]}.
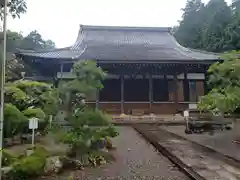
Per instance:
{"type": "Point", "coordinates": [147, 68]}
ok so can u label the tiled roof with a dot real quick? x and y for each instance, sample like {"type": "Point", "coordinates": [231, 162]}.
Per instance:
{"type": "Point", "coordinates": [124, 43]}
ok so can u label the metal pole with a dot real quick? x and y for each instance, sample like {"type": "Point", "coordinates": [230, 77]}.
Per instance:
{"type": "Point", "coordinates": [33, 137]}
{"type": "Point", "coordinates": [2, 83]}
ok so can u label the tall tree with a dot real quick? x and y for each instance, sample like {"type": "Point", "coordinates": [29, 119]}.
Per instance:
{"type": "Point", "coordinates": [15, 40]}
{"type": "Point", "coordinates": [210, 27]}
{"type": "Point", "coordinates": [34, 41]}
{"type": "Point", "coordinates": [190, 24]}
{"type": "Point", "coordinates": [218, 16]}
{"type": "Point", "coordinates": [15, 7]}
{"type": "Point", "coordinates": [236, 5]}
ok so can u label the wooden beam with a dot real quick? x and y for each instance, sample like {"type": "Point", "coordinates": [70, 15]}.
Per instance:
{"type": "Point", "coordinates": [150, 90]}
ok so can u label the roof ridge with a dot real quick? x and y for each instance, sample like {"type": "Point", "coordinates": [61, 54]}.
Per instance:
{"type": "Point", "coordinates": [125, 28]}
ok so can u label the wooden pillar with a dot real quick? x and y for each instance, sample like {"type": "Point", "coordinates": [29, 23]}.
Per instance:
{"type": "Point", "coordinates": [122, 94]}
{"type": "Point", "coordinates": [186, 87]}
{"type": "Point", "coordinates": [205, 83]}
{"type": "Point", "coordinates": [175, 88]}
{"type": "Point", "coordinates": [97, 99]}
{"type": "Point", "coordinates": [61, 71]}
{"type": "Point", "coordinates": [150, 90]}
{"type": "Point", "coordinates": [56, 79]}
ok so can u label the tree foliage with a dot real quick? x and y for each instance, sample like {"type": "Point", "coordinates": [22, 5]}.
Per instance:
{"type": "Point", "coordinates": [90, 128]}
{"type": "Point", "coordinates": [32, 94]}
{"type": "Point", "coordinates": [15, 8]}
{"type": "Point", "coordinates": [33, 41]}
{"type": "Point", "coordinates": [88, 79]}
{"type": "Point", "coordinates": [27, 99]}
{"type": "Point", "coordinates": [224, 79]}
{"type": "Point", "coordinates": [212, 27]}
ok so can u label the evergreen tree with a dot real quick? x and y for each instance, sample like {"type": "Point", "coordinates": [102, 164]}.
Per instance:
{"type": "Point", "coordinates": [190, 24]}
{"type": "Point", "coordinates": [217, 17]}
{"type": "Point", "coordinates": [211, 27]}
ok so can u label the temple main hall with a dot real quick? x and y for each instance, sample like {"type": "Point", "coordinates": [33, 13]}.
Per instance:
{"type": "Point", "coordinates": [147, 68]}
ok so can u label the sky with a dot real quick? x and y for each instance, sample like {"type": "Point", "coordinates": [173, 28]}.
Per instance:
{"type": "Point", "coordinates": [59, 20]}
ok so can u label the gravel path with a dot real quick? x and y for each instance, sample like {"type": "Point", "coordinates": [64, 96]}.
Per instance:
{"type": "Point", "coordinates": [135, 159]}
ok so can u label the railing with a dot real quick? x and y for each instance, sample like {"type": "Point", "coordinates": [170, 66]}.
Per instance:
{"type": "Point", "coordinates": [70, 75]}
{"type": "Point", "coordinates": [65, 75]}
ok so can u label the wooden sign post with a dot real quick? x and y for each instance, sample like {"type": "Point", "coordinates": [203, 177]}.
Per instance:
{"type": "Point", "coordinates": [33, 124]}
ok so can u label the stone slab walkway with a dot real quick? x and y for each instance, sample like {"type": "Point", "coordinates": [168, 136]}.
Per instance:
{"type": "Point", "coordinates": [204, 163]}
{"type": "Point", "coordinates": [221, 141]}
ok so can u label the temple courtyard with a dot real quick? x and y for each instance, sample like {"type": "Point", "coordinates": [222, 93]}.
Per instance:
{"type": "Point", "coordinates": [136, 158]}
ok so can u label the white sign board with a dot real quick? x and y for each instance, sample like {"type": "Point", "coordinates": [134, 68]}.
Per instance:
{"type": "Point", "coordinates": [33, 123]}
{"type": "Point", "coordinates": [186, 113]}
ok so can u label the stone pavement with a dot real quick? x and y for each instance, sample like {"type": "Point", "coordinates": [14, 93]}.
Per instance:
{"type": "Point", "coordinates": [221, 141]}
{"type": "Point", "coordinates": [203, 162]}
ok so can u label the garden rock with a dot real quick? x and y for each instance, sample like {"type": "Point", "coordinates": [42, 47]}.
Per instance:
{"type": "Point", "coordinates": [17, 140]}
{"type": "Point", "coordinates": [105, 150]}
{"type": "Point", "coordinates": [26, 138]}
{"type": "Point", "coordinates": [99, 144]}
{"type": "Point", "coordinates": [8, 142]}
{"type": "Point", "coordinates": [6, 172]}
{"type": "Point", "coordinates": [53, 165]}
{"type": "Point", "coordinates": [69, 163]}
{"type": "Point", "coordinates": [28, 152]}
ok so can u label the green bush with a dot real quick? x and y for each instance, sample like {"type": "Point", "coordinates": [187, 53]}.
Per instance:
{"type": "Point", "coordinates": [29, 166]}
{"type": "Point", "coordinates": [90, 117]}
{"type": "Point", "coordinates": [34, 112]}
{"type": "Point", "coordinates": [14, 120]}
{"type": "Point", "coordinates": [7, 158]}
{"type": "Point", "coordinates": [40, 151]}
{"type": "Point", "coordinates": [111, 131]}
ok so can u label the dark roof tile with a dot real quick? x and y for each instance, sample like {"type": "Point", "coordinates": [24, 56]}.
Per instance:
{"type": "Point", "coordinates": [125, 43]}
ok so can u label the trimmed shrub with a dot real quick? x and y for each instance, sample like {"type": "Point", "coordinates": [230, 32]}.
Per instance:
{"type": "Point", "coordinates": [91, 117]}
{"type": "Point", "coordinates": [7, 158]}
{"type": "Point", "coordinates": [34, 112]}
{"type": "Point", "coordinates": [14, 120]}
{"type": "Point", "coordinates": [40, 151]}
{"type": "Point", "coordinates": [29, 166]}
